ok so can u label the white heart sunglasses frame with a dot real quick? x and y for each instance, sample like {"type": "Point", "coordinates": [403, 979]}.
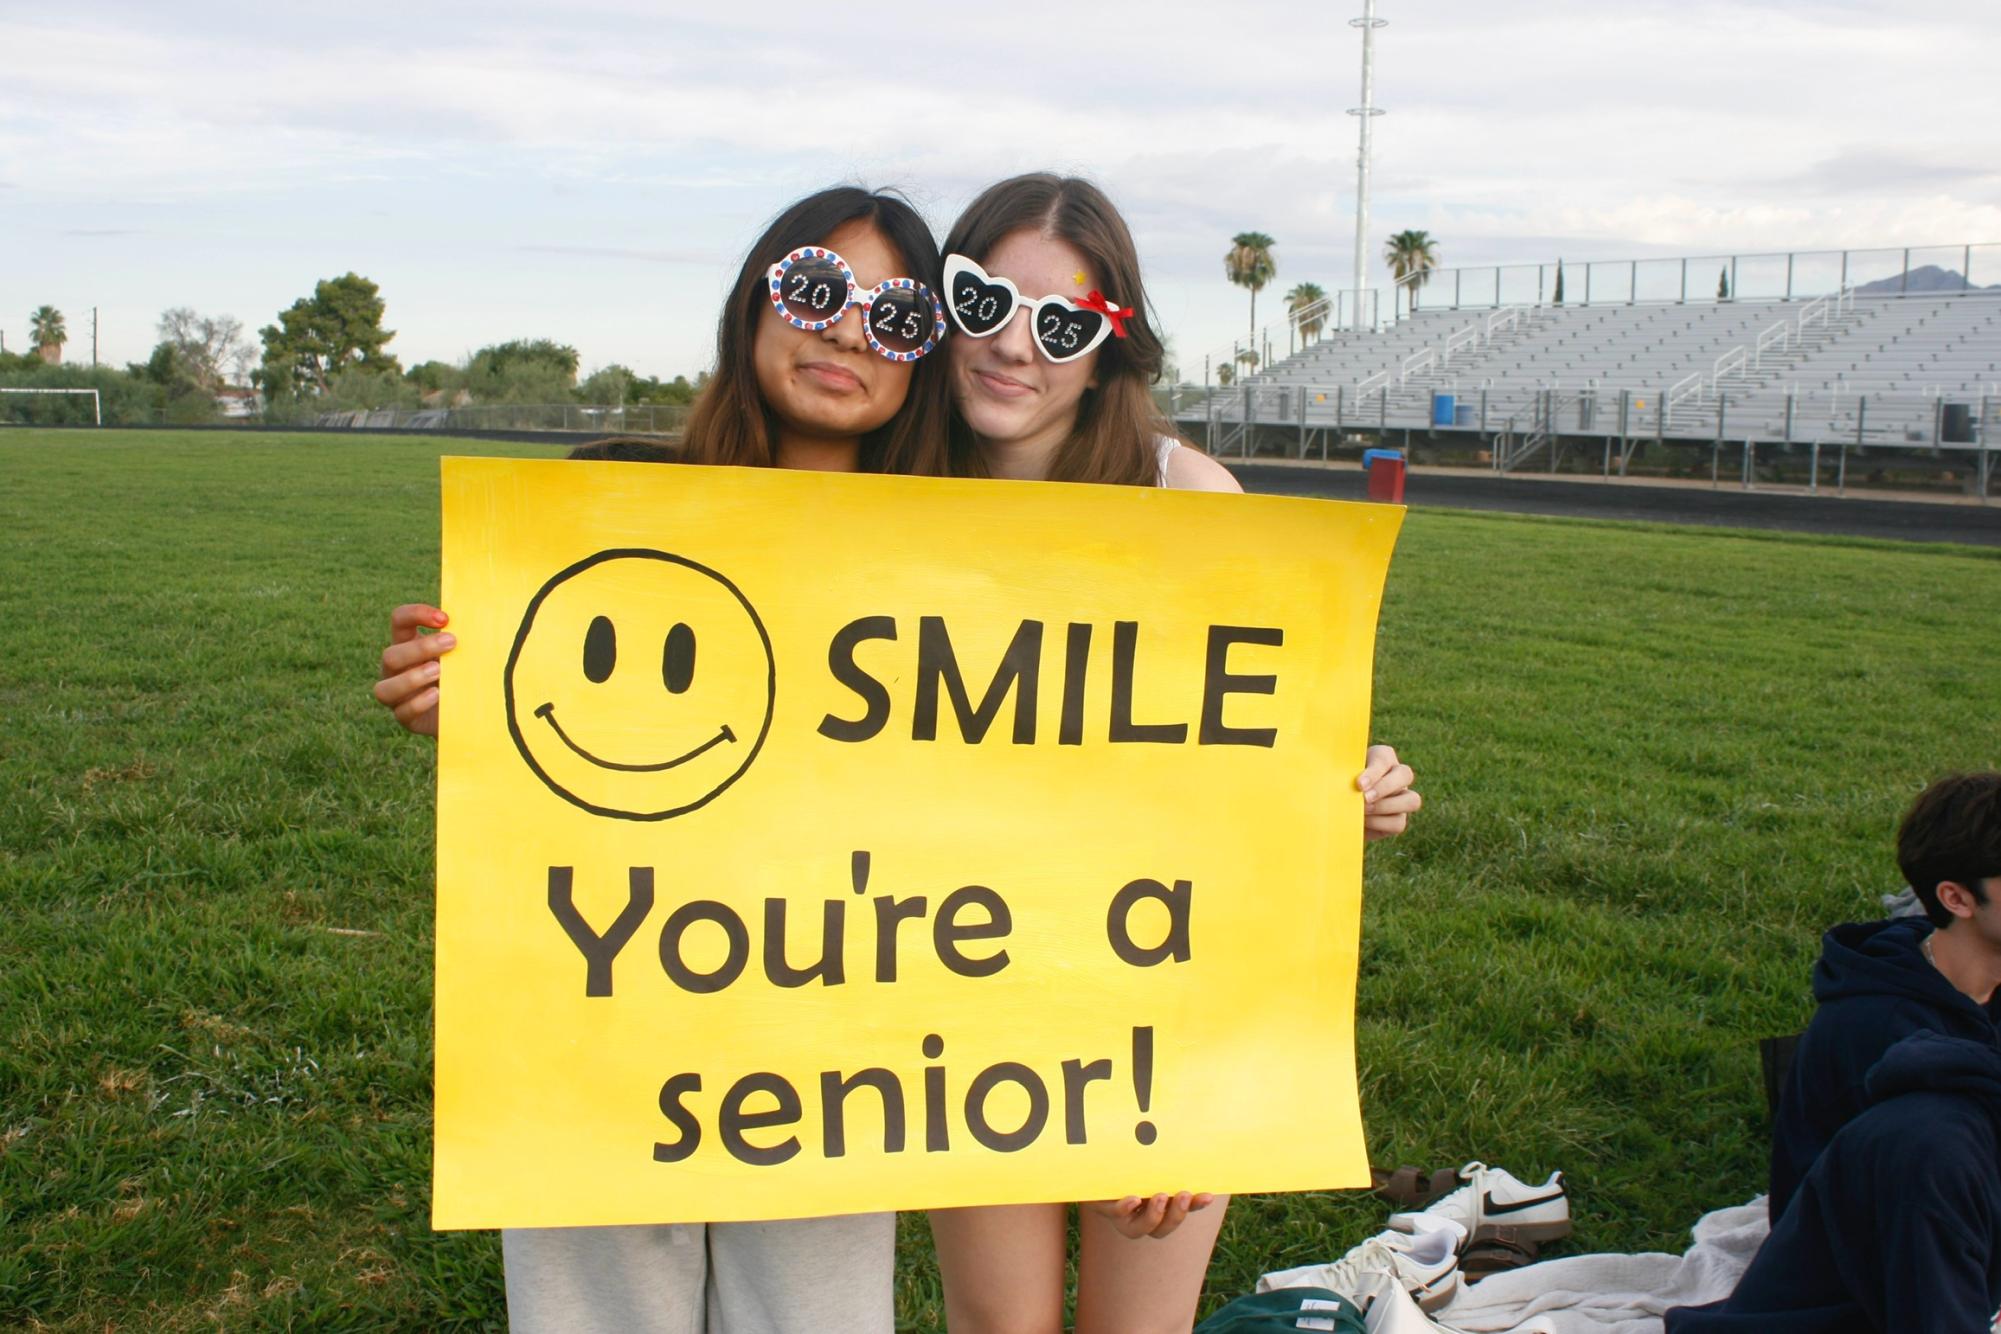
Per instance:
{"type": "Point", "coordinates": [958, 264]}
{"type": "Point", "coordinates": [775, 276]}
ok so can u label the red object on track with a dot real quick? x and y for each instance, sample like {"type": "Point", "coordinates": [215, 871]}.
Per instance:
{"type": "Point", "coordinates": [1386, 478]}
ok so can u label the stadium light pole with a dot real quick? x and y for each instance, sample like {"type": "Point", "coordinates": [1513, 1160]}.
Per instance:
{"type": "Point", "coordinates": [1366, 112]}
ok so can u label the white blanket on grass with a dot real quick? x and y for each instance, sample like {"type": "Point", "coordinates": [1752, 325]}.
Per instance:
{"type": "Point", "coordinates": [1595, 1294]}
{"type": "Point", "coordinates": [1613, 1294]}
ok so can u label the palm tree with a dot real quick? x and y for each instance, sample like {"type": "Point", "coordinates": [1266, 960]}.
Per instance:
{"type": "Point", "coordinates": [1249, 264]}
{"type": "Point", "coordinates": [46, 332]}
{"type": "Point", "coordinates": [1411, 255]}
{"type": "Point", "coordinates": [1300, 303]}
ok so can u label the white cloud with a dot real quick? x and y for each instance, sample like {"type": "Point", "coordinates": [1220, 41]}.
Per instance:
{"type": "Point", "coordinates": [617, 132]}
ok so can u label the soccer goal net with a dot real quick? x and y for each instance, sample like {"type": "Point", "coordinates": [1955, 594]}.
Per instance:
{"type": "Point", "coordinates": [23, 412]}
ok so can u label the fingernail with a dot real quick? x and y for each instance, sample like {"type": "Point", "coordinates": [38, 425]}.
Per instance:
{"type": "Point", "coordinates": [447, 641]}
{"type": "Point", "coordinates": [430, 671]}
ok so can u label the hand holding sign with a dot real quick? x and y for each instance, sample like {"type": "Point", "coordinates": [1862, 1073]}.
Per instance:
{"type": "Point", "coordinates": [1156, 1217]}
{"type": "Point", "coordinates": [408, 687]}
{"type": "Point", "coordinates": [799, 856]}
{"type": "Point", "coordinates": [1388, 799]}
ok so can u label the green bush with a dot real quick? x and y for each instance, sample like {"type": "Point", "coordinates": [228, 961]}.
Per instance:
{"type": "Point", "coordinates": [127, 399]}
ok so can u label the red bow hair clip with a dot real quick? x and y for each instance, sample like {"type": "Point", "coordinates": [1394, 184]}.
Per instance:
{"type": "Point", "coordinates": [1111, 310]}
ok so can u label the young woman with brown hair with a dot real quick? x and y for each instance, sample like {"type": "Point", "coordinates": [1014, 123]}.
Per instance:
{"type": "Point", "coordinates": [1066, 395]}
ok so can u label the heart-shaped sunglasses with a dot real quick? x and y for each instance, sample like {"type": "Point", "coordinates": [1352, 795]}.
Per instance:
{"type": "Point", "coordinates": [1065, 329]}
{"type": "Point", "coordinates": [813, 287]}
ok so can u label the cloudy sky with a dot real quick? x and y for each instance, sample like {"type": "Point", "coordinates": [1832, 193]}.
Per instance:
{"type": "Point", "coordinates": [592, 173]}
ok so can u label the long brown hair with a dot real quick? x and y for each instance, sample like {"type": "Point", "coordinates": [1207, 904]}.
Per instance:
{"type": "Point", "coordinates": [732, 424]}
{"type": "Point", "coordinates": [1118, 422]}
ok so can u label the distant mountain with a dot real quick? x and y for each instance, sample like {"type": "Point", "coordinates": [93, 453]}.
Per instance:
{"type": "Point", "coordinates": [1927, 278]}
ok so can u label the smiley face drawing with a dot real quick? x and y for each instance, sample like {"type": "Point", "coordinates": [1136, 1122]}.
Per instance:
{"type": "Point", "coordinates": [640, 685]}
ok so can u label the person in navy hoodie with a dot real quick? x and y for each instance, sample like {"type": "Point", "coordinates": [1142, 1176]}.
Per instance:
{"type": "Point", "coordinates": [1897, 1227]}
{"type": "Point", "coordinates": [1879, 982]}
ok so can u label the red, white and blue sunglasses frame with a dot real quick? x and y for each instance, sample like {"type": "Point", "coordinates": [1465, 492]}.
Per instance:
{"type": "Point", "coordinates": [855, 296]}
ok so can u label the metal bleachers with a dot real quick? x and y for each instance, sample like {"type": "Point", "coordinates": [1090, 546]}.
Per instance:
{"type": "Point", "coordinates": [1847, 366]}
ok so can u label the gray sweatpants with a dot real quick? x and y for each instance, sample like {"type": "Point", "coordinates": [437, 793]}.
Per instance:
{"type": "Point", "coordinates": [804, 1276]}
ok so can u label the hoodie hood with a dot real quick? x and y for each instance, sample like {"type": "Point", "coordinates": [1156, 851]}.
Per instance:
{"type": "Point", "coordinates": [1881, 959]}
{"type": "Point", "coordinates": [1927, 1062]}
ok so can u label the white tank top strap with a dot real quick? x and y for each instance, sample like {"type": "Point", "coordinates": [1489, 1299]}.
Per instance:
{"type": "Point", "coordinates": [1164, 447]}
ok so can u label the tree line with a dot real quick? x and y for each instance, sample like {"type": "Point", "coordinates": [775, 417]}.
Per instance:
{"type": "Point", "coordinates": [327, 352]}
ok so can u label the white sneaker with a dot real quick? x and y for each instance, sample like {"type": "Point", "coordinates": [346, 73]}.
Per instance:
{"type": "Point", "coordinates": [1425, 1265]}
{"type": "Point", "coordinates": [1493, 1198]}
{"type": "Point", "coordinates": [1391, 1311]}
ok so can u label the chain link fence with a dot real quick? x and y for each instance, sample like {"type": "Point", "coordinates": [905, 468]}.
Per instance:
{"type": "Point", "coordinates": [584, 419]}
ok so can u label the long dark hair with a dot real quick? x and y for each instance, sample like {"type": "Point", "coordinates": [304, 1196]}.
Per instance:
{"type": "Point", "coordinates": [1117, 422]}
{"type": "Point", "coordinates": [731, 422]}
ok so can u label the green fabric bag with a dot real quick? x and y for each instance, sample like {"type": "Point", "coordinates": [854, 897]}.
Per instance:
{"type": "Point", "coordinates": [1284, 1311]}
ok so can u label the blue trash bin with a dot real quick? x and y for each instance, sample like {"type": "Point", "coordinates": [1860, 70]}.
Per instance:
{"type": "Point", "coordinates": [1442, 409]}
{"type": "Point", "coordinates": [1464, 415]}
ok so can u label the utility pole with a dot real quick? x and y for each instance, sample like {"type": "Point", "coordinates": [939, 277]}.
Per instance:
{"type": "Point", "coordinates": [93, 337]}
{"type": "Point", "coordinates": [1366, 112]}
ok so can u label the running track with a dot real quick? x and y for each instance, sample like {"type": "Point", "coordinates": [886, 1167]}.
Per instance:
{"type": "Point", "coordinates": [1727, 507]}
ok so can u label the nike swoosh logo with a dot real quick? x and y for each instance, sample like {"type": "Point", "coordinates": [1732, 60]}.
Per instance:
{"type": "Point", "coordinates": [1491, 1209]}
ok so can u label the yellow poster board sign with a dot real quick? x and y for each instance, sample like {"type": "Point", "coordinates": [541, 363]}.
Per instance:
{"type": "Point", "coordinates": [815, 844]}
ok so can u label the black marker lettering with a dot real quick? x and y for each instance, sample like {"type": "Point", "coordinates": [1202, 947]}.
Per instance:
{"type": "Point", "coordinates": [1125, 646]}
{"type": "Point", "coordinates": [684, 1121]}
{"type": "Point", "coordinates": [733, 1120]}
{"type": "Point", "coordinates": [890, 911]}
{"type": "Point", "coordinates": [1218, 681]}
{"type": "Point", "coordinates": [834, 1092]}
{"type": "Point", "coordinates": [1118, 926]}
{"type": "Point", "coordinates": [841, 661]}
{"type": "Point", "coordinates": [1075, 1076]}
{"type": "Point", "coordinates": [1076, 659]}
{"type": "Point", "coordinates": [947, 934]}
{"type": "Point", "coordinates": [976, 1107]}
{"type": "Point", "coordinates": [704, 910]}
{"type": "Point", "coordinates": [600, 950]}
{"type": "Point", "coordinates": [830, 969]}
{"type": "Point", "coordinates": [1022, 663]}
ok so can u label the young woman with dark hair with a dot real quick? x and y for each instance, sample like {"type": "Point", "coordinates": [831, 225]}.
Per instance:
{"type": "Point", "coordinates": [837, 398]}
{"type": "Point", "coordinates": [1066, 395]}
{"type": "Point", "coordinates": [821, 362]}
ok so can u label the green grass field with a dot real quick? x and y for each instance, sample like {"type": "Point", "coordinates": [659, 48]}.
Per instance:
{"type": "Point", "coordinates": [1657, 762]}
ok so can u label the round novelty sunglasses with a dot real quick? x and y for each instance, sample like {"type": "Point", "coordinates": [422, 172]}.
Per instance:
{"type": "Point", "coordinates": [812, 288]}
{"type": "Point", "coordinates": [1065, 330]}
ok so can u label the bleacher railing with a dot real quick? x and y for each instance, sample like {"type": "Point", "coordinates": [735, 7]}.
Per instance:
{"type": "Point", "coordinates": [1823, 278]}
{"type": "Point", "coordinates": [1907, 271]}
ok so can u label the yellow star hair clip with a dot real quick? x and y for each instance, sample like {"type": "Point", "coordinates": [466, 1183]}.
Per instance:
{"type": "Point", "coordinates": [1078, 277]}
